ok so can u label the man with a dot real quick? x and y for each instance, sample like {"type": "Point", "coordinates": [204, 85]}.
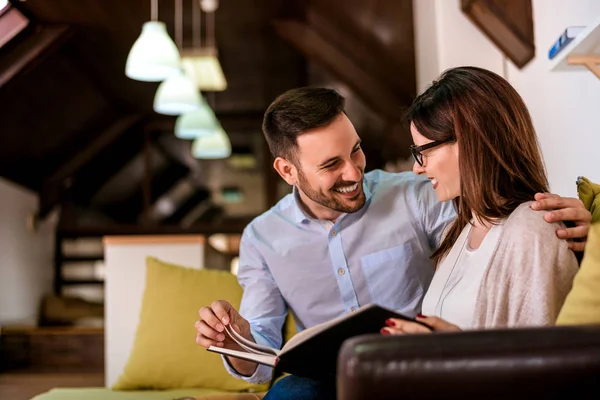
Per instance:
{"type": "Point", "coordinates": [341, 240]}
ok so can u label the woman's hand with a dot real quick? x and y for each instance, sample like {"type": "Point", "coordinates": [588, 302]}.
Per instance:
{"type": "Point", "coordinates": [401, 327]}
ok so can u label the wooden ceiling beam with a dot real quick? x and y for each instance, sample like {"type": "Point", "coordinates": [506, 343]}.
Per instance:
{"type": "Point", "coordinates": [105, 139]}
{"type": "Point", "coordinates": [13, 23]}
{"type": "Point", "coordinates": [52, 187]}
{"type": "Point", "coordinates": [318, 49]}
{"type": "Point", "coordinates": [289, 9]}
{"type": "Point", "coordinates": [509, 24]}
{"type": "Point", "coordinates": [393, 62]}
{"type": "Point", "coordinates": [41, 42]}
{"type": "Point", "coordinates": [92, 178]}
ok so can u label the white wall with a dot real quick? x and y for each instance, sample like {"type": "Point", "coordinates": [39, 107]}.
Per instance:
{"type": "Point", "coordinates": [445, 38]}
{"type": "Point", "coordinates": [125, 259]}
{"type": "Point", "coordinates": [426, 42]}
{"type": "Point", "coordinates": [25, 256]}
{"type": "Point", "coordinates": [565, 106]}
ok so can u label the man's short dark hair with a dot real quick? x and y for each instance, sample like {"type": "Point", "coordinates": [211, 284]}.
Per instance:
{"type": "Point", "coordinates": [296, 112]}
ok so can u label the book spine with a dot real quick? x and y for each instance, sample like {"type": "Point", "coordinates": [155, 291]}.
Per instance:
{"type": "Point", "coordinates": [567, 37]}
{"type": "Point", "coordinates": [560, 44]}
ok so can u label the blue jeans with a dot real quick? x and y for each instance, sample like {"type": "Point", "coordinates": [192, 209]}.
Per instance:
{"type": "Point", "coordinates": [293, 387]}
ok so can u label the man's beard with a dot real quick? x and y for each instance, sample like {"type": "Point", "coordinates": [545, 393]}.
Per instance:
{"type": "Point", "coordinates": [331, 201]}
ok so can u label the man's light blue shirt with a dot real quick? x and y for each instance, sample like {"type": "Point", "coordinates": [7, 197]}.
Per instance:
{"type": "Point", "coordinates": [320, 270]}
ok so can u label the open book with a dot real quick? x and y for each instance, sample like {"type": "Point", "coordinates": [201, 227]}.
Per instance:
{"type": "Point", "coordinates": [313, 352]}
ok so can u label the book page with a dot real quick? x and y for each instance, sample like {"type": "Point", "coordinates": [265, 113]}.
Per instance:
{"type": "Point", "coordinates": [249, 345]}
{"type": "Point", "coordinates": [243, 346]}
{"type": "Point", "coordinates": [257, 358]}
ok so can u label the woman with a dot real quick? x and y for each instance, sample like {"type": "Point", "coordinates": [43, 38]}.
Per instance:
{"type": "Point", "coordinates": [499, 264]}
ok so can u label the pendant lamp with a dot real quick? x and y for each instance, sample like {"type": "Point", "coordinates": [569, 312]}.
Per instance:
{"type": "Point", "coordinates": [177, 94]}
{"type": "Point", "coordinates": [200, 122]}
{"type": "Point", "coordinates": [153, 57]}
{"type": "Point", "coordinates": [214, 146]}
{"type": "Point", "coordinates": [201, 64]}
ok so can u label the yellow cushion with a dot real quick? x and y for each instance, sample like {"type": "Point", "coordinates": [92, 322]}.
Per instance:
{"type": "Point", "coordinates": [582, 305]}
{"type": "Point", "coordinates": [165, 354]}
{"type": "Point", "coordinates": [289, 328]}
{"type": "Point", "coordinates": [589, 194]}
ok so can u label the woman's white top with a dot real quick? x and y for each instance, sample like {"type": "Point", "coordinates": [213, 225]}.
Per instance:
{"type": "Point", "coordinates": [452, 294]}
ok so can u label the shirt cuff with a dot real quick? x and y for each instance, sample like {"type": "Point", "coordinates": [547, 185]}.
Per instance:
{"type": "Point", "coordinates": [262, 374]}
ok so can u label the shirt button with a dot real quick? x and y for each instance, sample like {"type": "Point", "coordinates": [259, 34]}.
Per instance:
{"type": "Point", "coordinates": [333, 233]}
{"type": "Point", "coordinates": [352, 309]}
{"type": "Point", "coordinates": [341, 271]}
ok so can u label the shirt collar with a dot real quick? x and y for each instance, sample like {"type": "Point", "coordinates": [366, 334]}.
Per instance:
{"type": "Point", "coordinates": [301, 217]}
{"type": "Point", "coordinates": [299, 214]}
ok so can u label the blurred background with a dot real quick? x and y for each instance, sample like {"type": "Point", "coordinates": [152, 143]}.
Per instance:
{"type": "Point", "coordinates": [84, 142]}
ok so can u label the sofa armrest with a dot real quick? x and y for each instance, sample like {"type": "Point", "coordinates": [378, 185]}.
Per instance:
{"type": "Point", "coordinates": [495, 363]}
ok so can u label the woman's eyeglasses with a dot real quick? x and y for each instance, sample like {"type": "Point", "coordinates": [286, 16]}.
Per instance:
{"type": "Point", "coordinates": [416, 151]}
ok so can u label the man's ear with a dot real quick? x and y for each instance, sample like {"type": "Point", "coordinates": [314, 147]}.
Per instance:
{"type": "Point", "coordinates": [286, 170]}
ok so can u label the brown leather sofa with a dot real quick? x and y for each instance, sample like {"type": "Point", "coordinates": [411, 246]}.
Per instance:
{"type": "Point", "coordinates": [556, 362]}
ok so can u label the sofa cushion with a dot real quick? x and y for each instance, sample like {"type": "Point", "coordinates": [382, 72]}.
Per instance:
{"type": "Point", "coordinates": [165, 354]}
{"type": "Point", "coordinates": [589, 193]}
{"type": "Point", "coordinates": [582, 305]}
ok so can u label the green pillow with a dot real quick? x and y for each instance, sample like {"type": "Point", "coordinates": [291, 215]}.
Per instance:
{"type": "Point", "coordinates": [589, 194]}
{"type": "Point", "coordinates": [582, 305]}
{"type": "Point", "coordinates": [165, 354]}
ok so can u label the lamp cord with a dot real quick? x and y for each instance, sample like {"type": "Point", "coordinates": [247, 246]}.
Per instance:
{"type": "Point", "coordinates": [154, 10]}
{"type": "Point", "coordinates": [197, 25]}
{"type": "Point", "coordinates": [210, 29]}
{"type": "Point", "coordinates": [178, 23]}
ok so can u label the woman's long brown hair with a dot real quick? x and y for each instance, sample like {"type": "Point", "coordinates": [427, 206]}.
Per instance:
{"type": "Point", "coordinates": [499, 157]}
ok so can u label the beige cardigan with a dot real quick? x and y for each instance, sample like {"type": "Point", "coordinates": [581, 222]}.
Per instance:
{"type": "Point", "coordinates": [529, 275]}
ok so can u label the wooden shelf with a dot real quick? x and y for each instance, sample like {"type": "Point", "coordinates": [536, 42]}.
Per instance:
{"type": "Point", "coordinates": [582, 53]}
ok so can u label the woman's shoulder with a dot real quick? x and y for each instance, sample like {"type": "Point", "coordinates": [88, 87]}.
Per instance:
{"type": "Point", "coordinates": [529, 244]}
{"type": "Point", "coordinates": [526, 228]}
{"type": "Point", "coordinates": [529, 221]}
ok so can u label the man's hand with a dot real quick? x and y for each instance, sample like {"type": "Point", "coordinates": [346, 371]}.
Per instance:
{"type": "Point", "coordinates": [402, 327]}
{"type": "Point", "coordinates": [211, 332]}
{"type": "Point", "coordinates": [566, 209]}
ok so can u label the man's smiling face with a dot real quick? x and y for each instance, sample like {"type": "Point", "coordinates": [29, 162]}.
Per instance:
{"type": "Point", "coordinates": [330, 167]}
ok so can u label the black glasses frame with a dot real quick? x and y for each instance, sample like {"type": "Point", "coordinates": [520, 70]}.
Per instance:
{"type": "Point", "coordinates": [416, 151]}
